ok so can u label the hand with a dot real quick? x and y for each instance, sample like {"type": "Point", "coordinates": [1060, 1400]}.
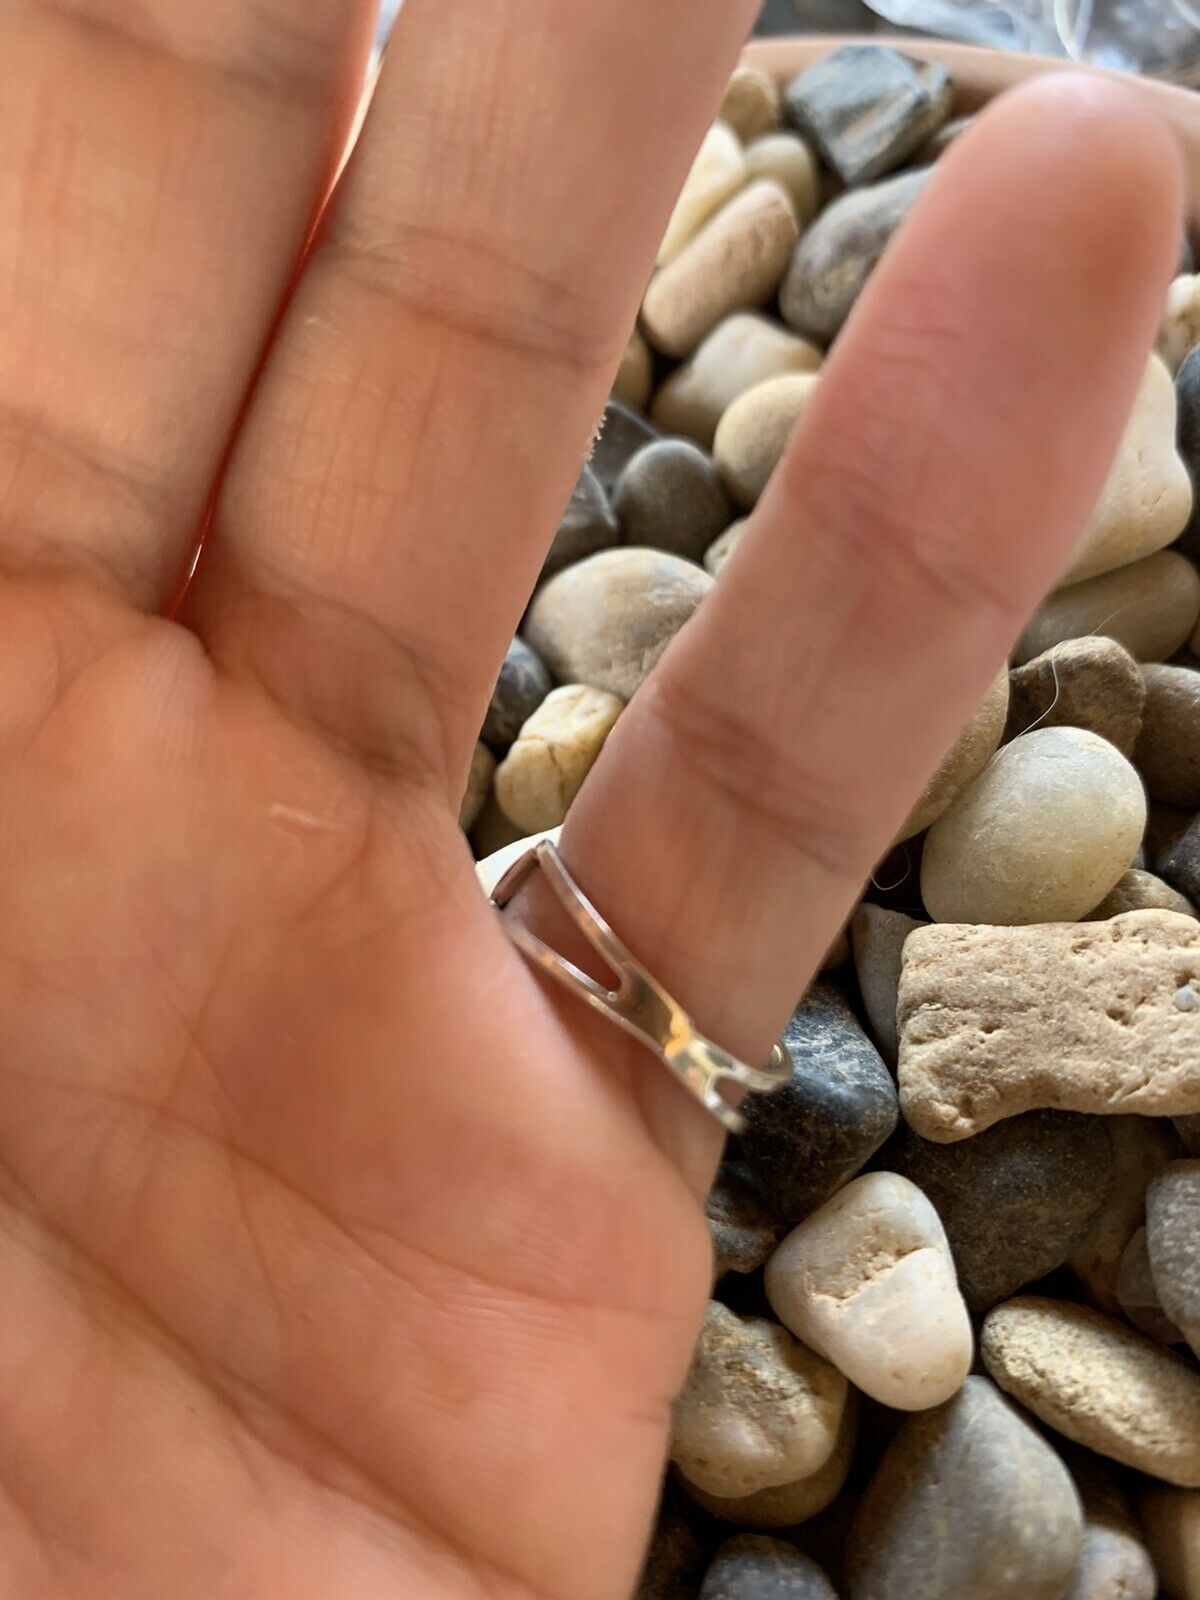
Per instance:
{"type": "Point", "coordinates": [340, 1257]}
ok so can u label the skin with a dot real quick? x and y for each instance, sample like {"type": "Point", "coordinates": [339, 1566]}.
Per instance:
{"type": "Point", "coordinates": [340, 1257]}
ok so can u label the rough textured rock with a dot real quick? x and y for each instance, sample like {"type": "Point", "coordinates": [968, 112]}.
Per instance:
{"type": "Point", "coordinates": [974, 748]}
{"type": "Point", "coordinates": [1180, 330]}
{"type": "Point", "coordinates": [839, 252]}
{"type": "Point", "coordinates": [867, 107]}
{"type": "Point", "coordinates": [804, 1142]}
{"type": "Point", "coordinates": [744, 1232]}
{"type": "Point", "coordinates": [719, 552]}
{"type": "Point", "coordinates": [743, 351]}
{"type": "Point", "coordinates": [752, 105]}
{"type": "Point", "coordinates": [1137, 1295]}
{"type": "Point", "coordinates": [1089, 1017]}
{"type": "Point", "coordinates": [1180, 866]}
{"type": "Point", "coordinates": [479, 783]}
{"type": "Point", "coordinates": [1014, 1201]}
{"type": "Point", "coordinates": [1091, 683]}
{"type": "Point", "coordinates": [635, 375]}
{"type": "Point", "coordinates": [1170, 1519]}
{"type": "Point", "coordinates": [1173, 1240]}
{"type": "Point", "coordinates": [868, 1281]}
{"type": "Point", "coordinates": [752, 1567]}
{"type": "Point", "coordinates": [790, 162]}
{"type": "Point", "coordinates": [1042, 836]}
{"type": "Point", "coordinates": [1168, 750]}
{"type": "Point", "coordinates": [1114, 1563]}
{"type": "Point", "coordinates": [670, 497]}
{"type": "Point", "coordinates": [1099, 1383]}
{"type": "Point", "coordinates": [753, 434]}
{"type": "Point", "coordinates": [969, 1503]}
{"type": "Point", "coordinates": [1141, 891]}
{"type": "Point", "coordinates": [520, 689]}
{"type": "Point", "coordinates": [877, 936]}
{"type": "Point", "coordinates": [717, 173]}
{"type": "Point", "coordinates": [679, 1550]}
{"type": "Point", "coordinates": [622, 432]}
{"type": "Point", "coordinates": [1142, 1146]}
{"type": "Point", "coordinates": [554, 752]}
{"type": "Point", "coordinates": [607, 620]}
{"type": "Point", "coordinates": [1150, 607]}
{"type": "Point", "coordinates": [758, 1409]}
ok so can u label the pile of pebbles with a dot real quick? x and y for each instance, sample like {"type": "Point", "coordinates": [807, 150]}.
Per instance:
{"type": "Point", "coordinates": [952, 1344]}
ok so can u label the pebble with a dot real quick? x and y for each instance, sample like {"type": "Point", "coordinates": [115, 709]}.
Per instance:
{"type": "Point", "coordinates": [735, 263]}
{"type": "Point", "coordinates": [719, 552]}
{"type": "Point", "coordinates": [1150, 607]}
{"type": "Point", "coordinates": [479, 783]}
{"type": "Point", "coordinates": [757, 1409]}
{"type": "Point", "coordinates": [521, 687]}
{"type": "Point", "coordinates": [587, 525]}
{"type": "Point", "coordinates": [1180, 331]}
{"type": "Point", "coordinates": [787, 159]}
{"type": "Point", "coordinates": [744, 1232]}
{"type": "Point", "coordinates": [670, 497]}
{"type": "Point", "coordinates": [995, 1021]}
{"type": "Point", "coordinates": [1165, 828]}
{"type": "Point", "coordinates": [1187, 400]}
{"type": "Point", "coordinates": [1099, 1383]}
{"type": "Point", "coordinates": [867, 108]}
{"type": "Point", "coordinates": [941, 139]}
{"type": "Point", "coordinates": [717, 173]}
{"type": "Point", "coordinates": [1014, 1201]}
{"type": "Point", "coordinates": [1141, 891]}
{"type": "Point", "coordinates": [635, 375]}
{"type": "Point", "coordinates": [1138, 1296]}
{"type": "Point", "coordinates": [1181, 865]}
{"type": "Point", "coordinates": [868, 1281]}
{"type": "Point", "coordinates": [607, 620]}
{"type": "Point", "coordinates": [1168, 751]}
{"type": "Point", "coordinates": [877, 936]}
{"type": "Point", "coordinates": [1114, 1563]}
{"type": "Point", "coordinates": [679, 1550]}
{"type": "Point", "coordinates": [554, 752]}
{"type": "Point", "coordinates": [809, 1138]}
{"type": "Point", "coordinates": [752, 1567]}
{"type": "Point", "coordinates": [840, 250]}
{"type": "Point", "coordinates": [1188, 1129]}
{"type": "Point", "coordinates": [969, 1503]}
{"type": "Point", "coordinates": [975, 747]}
{"type": "Point", "coordinates": [753, 434]}
{"type": "Point", "coordinates": [621, 434]}
{"type": "Point", "coordinates": [752, 105]}
{"type": "Point", "coordinates": [1170, 1520]}
{"type": "Point", "coordinates": [1141, 1149]}
{"type": "Point", "coordinates": [1042, 836]}
{"type": "Point", "coordinates": [1091, 683]}
{"type": "Point", "coordinates": [1173, 1239]}
{"type": "Point", "coordinates": [742, 351]}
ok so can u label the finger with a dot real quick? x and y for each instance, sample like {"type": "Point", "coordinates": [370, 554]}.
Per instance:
{"type": "Point", "coordinates": [958, 440]}
{"type": "Point", "coordinates": [442, 367]}
{"type": "Point", "coordinates": [162, 167]}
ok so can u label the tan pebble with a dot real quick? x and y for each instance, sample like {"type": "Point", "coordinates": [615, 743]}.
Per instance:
{"type": "Point", "coordinates": [1150, 607]}
{"type": "Point", "coordinates": [635, 375]}
{"type": "Point", "coordinates": [479, 784]}
{"type": "Point", "coordinates": [735, 263]}
{"type": "Point", "coordinates": [974, 748]}
{"type": "Point", "coordinates": [1042, 836]}
{"type": "Point", "coordinates": [758, 1410]}
{"type": "Point", "coordinates": [1082, 1016]}
{"type": "Point", "coordinates": [1147, 500]}
{"type": "Point", "coordinates": [492, 867]}
{"type": "Point", "coordinates": [1091, 683]}
{"type": "Point", "coordinates": [752, 103]}
{"type": "Point", "coordinates": [743, 351]}
{"type": "Point", "coordinates": [554, 752]}
{"type": "Point", "coordinates": [1099, 1383]}
{"type": "Point", "coordinates": [1142, 1147]}
{"type": "Point", "coordinates": [717, 173]}
{"type": "Point", "coordinates": [878, 935]}
{"type": "Point", "coordinates": [752, 435]}
{"type": "Point", "coordinates": [1141, 891]}
{"type": "Point", "coordinates": [868, 1281]}
{"type": "Point", "coordinates": [1180, 330]}
{"type": "Point", "coordinates": [786, 158]}
{"type": "Point", "coordinates": [1170, 1519]}
{"type": "Point", "coordinates": [719, 552]}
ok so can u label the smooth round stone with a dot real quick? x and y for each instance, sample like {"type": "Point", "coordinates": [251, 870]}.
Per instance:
{"type": "Point", "coordinates": [1091, 683]}
{"type": "Point", "coordinates": [479, 783]}
{"type": "Point", "coordinates": [621, 434]}
{"type": "Point", "coordinates": [806, 1140]}
{"type": "Point", "coordinates": [1150, 607]}
{"type": "Point", "coordinates": [1170, 1519]}
{"type": "Point", "coordinates": [974, 748]}
{"type": "Point", "coordinates": [1168, 750]}
{"type": "Point", "coordinates": [554, 752]}
{"type": "Point", "coordinates": [587, 525]}
{"type": "Point", "coordinates": [719, 552]}
{"type": "Point", "coordinates": [679, 1551]}
{"type": "Point", "coordinates": [877, 935]}
{"type": "Point", "coordinates": [969, 1503]}
{"type": "Point", "coordinates": [786, 158]}
{"type": "Point", "coordinates": [757, 1410]}
{"type": "Point", "coordinates": [670, 497]}
{"type": "Point", "coordinates": [1141, 891]}
{"type": "Point", "coordinates": [1173, 1239]}
{"type": "Point", "coordinates": [718, 171]}
{"type": "Point", "coordinates": [520, 689]}
{"type": "Point", "coordinates": [752, 104]}
{"type": "Point", "coordinates": [1142, 1147]}
{"type": "Point", "coordinates": [753, 434]}
{"type": "Point", "coordinates": [1114, 1563]}
{"type": "Point", "coordinates": [607, 620]}
{"type": "Point", "coordinates": [1046, 832]}
{"type": "Point", "coordinates": [839, 252]}
{"type": "Point", "coordinates": [1138, 1296]}
{"type": "Point", "coordinates": [868, 1281]}
{"type": "Point", "coordinates": [1180, 331]}
{"type": "Point", "coordinates": [744, 350]}
{"type": "Point", "coordinates": [744, 1232]}
{"type": "Point", "coordinates": [1187, 399]}
{"type": "Point", "coordinates": [635, 375]}
{"type": "Point", "coordinates": [756, 1568]}
{"type": "Point", "coordinates": [1099, 1383]}
{"type": "Point", "coordinates": [1016, 1200]}
{"type": "Point", "coordinates": [1180, 866]}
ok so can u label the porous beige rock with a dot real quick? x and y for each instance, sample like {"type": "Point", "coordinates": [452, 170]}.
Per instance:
{"type": "Point", "coordinates": [733, 264]}
{"type": "Point", "coordinates": [1168, 749]}
{"type": "Point", "coordinates": [746, 349]}
{"type": "Point", "coordinates": [1170, 1520]}
{"type": "Point", "coordinates": [868, 1281]}
{"type": "Point", "coordinates": [635, 375]}
{"type": "Point", "coordinates": [718, 171]}
{"type": "Point", "coordinates": [1141, 891]}
{"type": "Point", "coordinates": [554, 752]}
{"type": "Point", "coordinates": [1150, 607]}
{"type": "Point", "coordinates": [1090, 1016]}
{"type": "Point", "coordinates": [720, 550]}
{"type": "Point", "coordinates": [786, 158]}
{"type": "Point", "coordinates": [974, 748]}
{"type": "Point", "coordinates": [1099, 1383]}
{"type": "Point", "coordinates": [1180, 330]}
{"type": "Point", "coordinates": [1147, 500]}
{"type": "Point", "coordinates": [1042, 835]}
{"type": "Point", "coordinates": [752, 103]}
{"type": "Point", "coordinates": [1091, 683]}
{"type": "Point", "coordinates": [877, 935]}
{"type": "Point", "coordinates": [1142, 1147]}
{"type": "Point", "coordinates": [758, 1409]}
{"type": "Point", "coordinates": [479, 785]}
{"type": "Point", "coordinates": [753, 433]}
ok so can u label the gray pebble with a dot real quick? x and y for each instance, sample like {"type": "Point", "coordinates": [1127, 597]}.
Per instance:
{"type": "Point", "coordinates": [753, 1567]}
{"type": "Point", "coordinates": [807, 1140]}
{"type": "Point", "coordinates": [1173, 1234]}
{"type": "Point", "coordinates": [1114, 1563]}
{"type": "Point", "coordinates": [670, 497]}
{"type": "Point", "coordinates": [1187, 396]}
{"type": "Point", "coordinates": [841, 249]}
{"type": "Point", "coordinates": [867, 107]}
{"type": "Point", "coordinates": [1016, 1200]}
{"type": "Point", "coordinates": [743, 1231]}
{"type": "Point", "coordinates": [520, 689]}
{"type": "Point", "coordinates": [877, 936]}
{"type": "Point", "coordinates": [622, 433]}
{"type": "Point", "coordinates": [679, 1550]}
{"type": "Point", "coordinates": [1091, 683]}
{"type": "Point", "coordinates": [588, 524]}
{"type": "Point", "coordinates": [1168, 748]}
{"type": "Point", "coordinates": [939, 142]}
{"type": "Point", "coordinates": [1137, 1294]}
{"type": "Point", "coordinates": [1180, 866]}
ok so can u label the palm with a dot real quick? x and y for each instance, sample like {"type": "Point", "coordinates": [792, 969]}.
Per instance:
{"type": "Point", "coordinates": [340, 1259]}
